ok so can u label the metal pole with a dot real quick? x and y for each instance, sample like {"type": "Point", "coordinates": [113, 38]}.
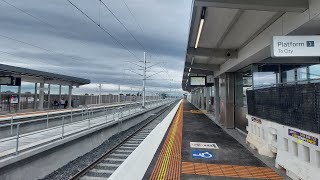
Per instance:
{"type": "Point", "coordinates": [19, 92]}
{"type": "Point", "coordinates": [62, 134]}
{"type": "Point", "coordinates": [11, 124]}
{"type": "Point", "coordinates": [35, 96]}
{"type": "Point", "coordinates": [59, 95]}
{"type": "Point", "coordinates": [47, 120]}
{"type": "Point", "coordinates": [106, 114]}
{"type": "Point", "coordinates": [119, 94]}
{"type": "Point", "coordinates": [49, 95]}
{"type": "Point", "coordinates": [17, 144]}
{"type": "Point", "coordinates": [99, 93]}
{"type": "Point", "coordinates": [0, 98]}
{"type": "Point", "coordinates": [144, 80]}
{"type": "Point", "coordinates": [129, 109]}
{"type": "Point", "coordinates": [89, 122]}
{"type": "Point", "coordinates": [81, 113]}
{"type": "Point", "coordinates": [71, 115]}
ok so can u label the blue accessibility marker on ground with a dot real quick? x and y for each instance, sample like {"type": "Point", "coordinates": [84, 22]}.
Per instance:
{"type": "Point", "coordinates": [202, 154]}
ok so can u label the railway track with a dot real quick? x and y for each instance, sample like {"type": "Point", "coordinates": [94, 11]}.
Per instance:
{"type": "Point", "coordinates": [103, 167]}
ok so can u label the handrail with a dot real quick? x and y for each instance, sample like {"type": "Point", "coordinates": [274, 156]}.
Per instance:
{"type": "Point", "coordinates": [60, 112]}
{"type": "Point", "coordinates": [92, 110]}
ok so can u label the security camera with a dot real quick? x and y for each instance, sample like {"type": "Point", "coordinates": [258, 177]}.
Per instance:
{"type": "Point", "coordinates": [228, 54]}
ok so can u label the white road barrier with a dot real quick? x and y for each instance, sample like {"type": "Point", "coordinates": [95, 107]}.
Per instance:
{"type": "Point", "coordinates": [296, 150]}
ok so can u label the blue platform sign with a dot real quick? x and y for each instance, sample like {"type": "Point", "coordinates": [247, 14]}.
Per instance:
{"type": "Point", "coordinates": [202, 154]}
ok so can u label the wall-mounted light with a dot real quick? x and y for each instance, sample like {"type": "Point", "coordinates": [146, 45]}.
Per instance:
{"type": "Point", "coordinates": [190, 69]}
{"type": "Point", "coordinates": [192, 59]}
{"type": "Point", "coordinates": [203, 14]}
{"type": "Point", "coordinates": [188, 74]}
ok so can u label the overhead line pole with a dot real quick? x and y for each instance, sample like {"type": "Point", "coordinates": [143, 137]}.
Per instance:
{"type": "Point", "coordinates": [100, 93]}
{"type": "Point", "coordinates": [144, 80]}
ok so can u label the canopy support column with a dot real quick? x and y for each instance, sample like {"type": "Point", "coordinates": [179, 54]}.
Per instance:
{"type": "Point", "coordinates": [70, 97]}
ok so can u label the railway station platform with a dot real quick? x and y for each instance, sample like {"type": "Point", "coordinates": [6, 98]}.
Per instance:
{"type": "Point", "coordinates": [194, 147]}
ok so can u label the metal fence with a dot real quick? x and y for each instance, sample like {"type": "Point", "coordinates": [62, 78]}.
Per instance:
{"type": "Point", "coordinates": [296, 105]}
{"type": "Point", "coordinates": [27, 101]}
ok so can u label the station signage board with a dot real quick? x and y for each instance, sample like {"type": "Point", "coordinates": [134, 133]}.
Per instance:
{"type": "Point", "coordinates": [10, 81]}
{"type": "Point", "coordinates": [295, 46]}
{"type": "Point", "coordinates": [210, 80]}
{"type": "Point", "coordinates": [197, 80]}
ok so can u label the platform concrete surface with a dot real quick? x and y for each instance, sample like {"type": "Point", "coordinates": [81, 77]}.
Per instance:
{"type": "Point", "coordinates": [197, 148]}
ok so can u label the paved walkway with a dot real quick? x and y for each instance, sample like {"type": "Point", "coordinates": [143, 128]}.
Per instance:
{"type": "Point", "coordinates": [196, 148]}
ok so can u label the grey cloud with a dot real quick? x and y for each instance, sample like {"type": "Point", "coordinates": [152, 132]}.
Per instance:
{"type": "Point", "coordinates": [80, 48]}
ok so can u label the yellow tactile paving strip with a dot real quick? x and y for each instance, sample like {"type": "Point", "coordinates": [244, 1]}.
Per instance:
{"type": "Point", "coordinates": [168, 165]}
{"type": "Point", "coordinates": [229, 171]}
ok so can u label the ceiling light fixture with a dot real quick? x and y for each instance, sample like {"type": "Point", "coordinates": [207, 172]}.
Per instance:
{"type": "Point", "coordinates": [203, 14]}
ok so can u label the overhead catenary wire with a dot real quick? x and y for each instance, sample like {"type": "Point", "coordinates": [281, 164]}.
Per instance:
{"type": "Point", "coordinates": [103, 29]}
{"type": "Point", "coordinates": [23, 42]}
{"type": "Point", "coordinates": [124, 26]}
{"type": "Point", "coordinates": [25, 12]}
{"type": "Point", "coordinates": [133, 16]}
{"type": "Point", "coordinates": [135, 20]}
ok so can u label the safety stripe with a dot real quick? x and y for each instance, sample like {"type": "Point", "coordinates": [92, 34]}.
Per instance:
{"type": "Point", "coordinates": [229, 171]}
{"type": "Point", "coordinates": [168, 162]}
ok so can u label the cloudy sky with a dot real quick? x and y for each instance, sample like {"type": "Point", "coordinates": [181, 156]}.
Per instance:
{"type": "Point", "coordinates": [54, 36]}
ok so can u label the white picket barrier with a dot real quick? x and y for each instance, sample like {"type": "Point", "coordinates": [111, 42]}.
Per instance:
{"type": "Point", "coordinates": [297, 151]}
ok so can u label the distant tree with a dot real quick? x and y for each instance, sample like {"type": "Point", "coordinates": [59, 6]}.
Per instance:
{"type": "Point", "coordinates": [86, 94]}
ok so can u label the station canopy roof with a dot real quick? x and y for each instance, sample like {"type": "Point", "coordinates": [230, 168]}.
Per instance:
{"type": "Point", "coordinates": [219, 29]}
{"type": "Point", "coordinates": [36, 76]}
